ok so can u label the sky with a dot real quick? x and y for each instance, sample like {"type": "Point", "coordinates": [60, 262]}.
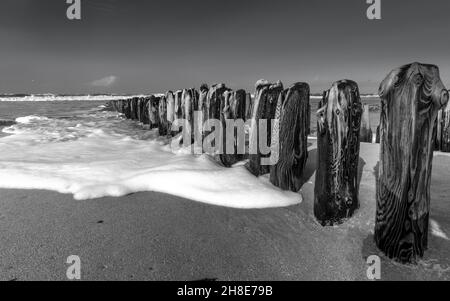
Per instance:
{"type": "Point", "coordinates": [142, 46]}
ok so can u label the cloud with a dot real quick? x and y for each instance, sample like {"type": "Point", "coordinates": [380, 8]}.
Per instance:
{"type": "Point", "coordinates": [104, 82]}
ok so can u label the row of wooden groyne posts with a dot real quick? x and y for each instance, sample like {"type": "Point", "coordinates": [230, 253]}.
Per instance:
{"type": "Point", "coordinates": [414, 121]}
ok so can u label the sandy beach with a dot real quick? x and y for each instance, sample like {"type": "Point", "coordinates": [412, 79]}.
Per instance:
{"type": "Point", "coordinates": [154, 236]}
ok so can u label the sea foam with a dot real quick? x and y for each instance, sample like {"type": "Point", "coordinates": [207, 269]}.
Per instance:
{"type": "Point", "coordinates": [101, 154]}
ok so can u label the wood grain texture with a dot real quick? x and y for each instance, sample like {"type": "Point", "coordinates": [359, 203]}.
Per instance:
{"type": "Point", "coordinates": [153, 107]}
{"type": "Point", "coordinates": [263, 108]}
{"type": "Point", "coordinates": [233, 110]}
{"type": "Point", "coordinates": [178, 109]}
{"type": "Point", "coordinates": [377, 139]}
{"type": "Point", "coordinates": [203, 108]}
{"type": "Point", "coordinates": [144, 103]}
{"type": "Point", "coordinates": [290, 137]}
{"type": "Point", "coordinates": [438, 132]}
{"type": "Point", "coordinates": [444, 134]}
{"type": "Point", "coordinates": [170, 99]}
{"type": "Point", "coordinates": [214, 102]}
{"type": "Point", "coordinates": [189, 101]}
{"type": "Point", "coordinates": [338, 125]}
{"type": "Point", "coordinates": [248, 106]}
{"type": "Point", "coordinates": [163, 129]}
{"type": "Point", "coordinates": [410, 99]}
{"type": "Point", "coordinates": [134, 109]}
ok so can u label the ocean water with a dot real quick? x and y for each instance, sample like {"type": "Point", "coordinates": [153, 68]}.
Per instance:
{"type": "Point", "coordinates": [75, 147]}
{"type": "Point", "coordinates": [72, 146]}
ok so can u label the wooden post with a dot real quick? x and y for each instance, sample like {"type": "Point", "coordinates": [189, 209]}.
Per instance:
{"type": "Point", "coordinates": [410, 99]}
{"type": "Point", "coordinates": [264, 106]}
{"type": "Point", "coordinates": [215, 101]}
{"type": "Point", "coordinates": [438, 132]}
{"type": "Point", "coordinates": [162, 111]}
{"type": "Point", "coordinates": [170, 99]}
{"type": "Point", "coordinates": [365, 134]}
{"type": "Point", "coordinates": [153, 105]}
{"type": "Point", "coordinates": [118, 105]}
{"type": "Point", "coordinates": [233, 122]}
{"type": "Point", "coordinates": [127, 108]}
{"type": "Point", "coordinates": [187, 109]}
{"type": "Point", "coordinates": [445, 129]}
{"type": "Point", "coordinates": [139, 109]}
{"type": "Point", "coordinates": [338, 126]}
{"type": "Point", "coordinates": [178, 104]}
{"type": "Point", "coordinates": [143, 110]}
{"type": "Point", "coordinates": [202, 100]}
{"type": "Point", "coordinates": [248, 106]}
{"type": "Point", "coordinates": [203, 108]}
{"type": "Point", "coordinates": [134, 108]}
{"type": "Point", "coordinates": [290, 137]}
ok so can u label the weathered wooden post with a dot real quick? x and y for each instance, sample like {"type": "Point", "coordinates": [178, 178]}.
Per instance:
{"type": "Point", "coordinates": [438, 132]}
{"type": "Point", "coordinates": [445, 129]}
{"type": "Point", "coordinates": [188, 102]}
{"type": "Point", "coordinates": [233, 122]}
{"type": "Point", "coordinates": [289, 150]}
{"type": "Point", "coordinates": [365, 134]}
{"type": "Point", "coordinates": [162, 111]}
{"type": "Point", "coordinates": [264, 106]}
{"type": "Point", "coordinates": [410, 99]}
{"type": "Point", "coordinates": [139, 109]}
{"type": "Point", "coordinates": [338, 126]}
{"type": "Point", "coordinates": [248, 106]}
{"type": "Point", "coordinates": [119, 106]}
{"type": "Point", "coordinates": [128, 109]}
{"type": "Point", "coordinates": [143, 110]}
{"type": "Point", "coordinates": [170, 99]}
{"type": "Point", "coordinates": [153, 105]}
{"type": "Point", "coordinates": [134, 108]}
{"type": "Point", "coordinates": [202, 114]}
{"type": "Point", "coordinates": [124, 107]}
{"type": "Point", "coordinates": [214, 102]}
{"type": "Point", "coordinates": [178, 104]}
{"type": "Point", "coordinates": [202, 99]}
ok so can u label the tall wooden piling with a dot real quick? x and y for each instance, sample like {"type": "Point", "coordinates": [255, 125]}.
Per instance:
{"type": "Point", "coordinates": [233, 122]}
{"type": "Point", "coordinates": [202, 113]}
{"type": "Point", "coordinates": [178, 104]}
{"type": "Point", "coordinates": [289, 150]}
{"type": "Point", "coordinates": [214, 102]}
{"type": "Point", "coordinates": [264, 106]}
{"type": "Point", "coordinates": [411, 97]}
{"type": "Point", "coordinates": [444, 133]}
{"type": "Point", "coordinates": [170, 99]}
{"type": "Point", "coordinates": [153, 107]}
{"type": "Point", "coordinates": [163, 128]}
{"type": "Point", "coordinates": [188, 102]}
{"type": "Point", "coordinates": [338, 126]}
{"type": "Point", "coordinates": [248, 106]}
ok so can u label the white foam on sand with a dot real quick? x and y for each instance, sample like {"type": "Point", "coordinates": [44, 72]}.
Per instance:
{"type": "Point", "coordinates": [101, 154]}
{"type": "Point", "coordinates": [437, 231]}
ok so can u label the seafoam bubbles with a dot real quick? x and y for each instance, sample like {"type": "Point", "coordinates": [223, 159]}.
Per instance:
{"type": "Point", "coordinates": [101, 154]}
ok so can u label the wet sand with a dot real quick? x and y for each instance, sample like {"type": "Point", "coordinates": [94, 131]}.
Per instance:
{"type": "Point", "coordinates": [154, 236]}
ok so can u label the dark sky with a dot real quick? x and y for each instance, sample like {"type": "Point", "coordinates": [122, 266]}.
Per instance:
{"type": "Point", "coordinates": [143, 46]}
